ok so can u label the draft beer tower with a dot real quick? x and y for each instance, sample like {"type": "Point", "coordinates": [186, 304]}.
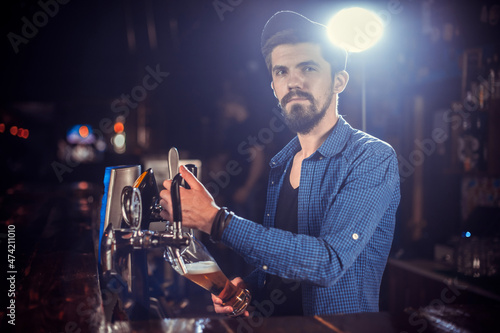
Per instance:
{"type": "Point", "coordinates": [130, 206]}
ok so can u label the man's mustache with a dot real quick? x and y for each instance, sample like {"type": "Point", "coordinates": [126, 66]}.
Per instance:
{"type": "Point", "coordinates": [296, 93]}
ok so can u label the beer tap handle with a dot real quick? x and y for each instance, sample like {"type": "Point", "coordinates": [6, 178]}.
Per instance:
{"type": "Point", "coordinates": [176, 206]}
{"type": "Point", "coordinates": [177, 217]}
{"type": "Point", "coordinates": [194, 170]}
{"type": "Point", "coordinates": [173, 162]}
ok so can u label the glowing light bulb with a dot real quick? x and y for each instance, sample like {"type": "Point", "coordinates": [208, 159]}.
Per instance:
{"type": "Point", "coordinates": [355, 29]}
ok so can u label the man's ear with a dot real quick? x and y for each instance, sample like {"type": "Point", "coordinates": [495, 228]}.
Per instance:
{"type": "Point", "coordinates": [340, 81]}
{"type": "Point", "coordinates": [272, 87]}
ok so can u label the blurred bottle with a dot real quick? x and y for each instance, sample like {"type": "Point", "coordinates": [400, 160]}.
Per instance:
{"type": "Point", "coordinates": [478, 256]}
{"type": "Point", "coordinates": [494, 78]}
{"type": "Point", "coordinates": [472, 142]}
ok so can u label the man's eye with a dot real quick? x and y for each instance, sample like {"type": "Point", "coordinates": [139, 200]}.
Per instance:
{"type": "Point", "coordinates": [280, 72]}
{"type": "Point", "coordinates": [309, 69]}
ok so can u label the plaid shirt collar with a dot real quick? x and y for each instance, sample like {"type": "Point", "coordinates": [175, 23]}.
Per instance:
{"type": "Point", "coordinates": [333, 145]}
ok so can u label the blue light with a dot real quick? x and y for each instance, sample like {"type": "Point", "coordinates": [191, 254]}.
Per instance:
{"type": "Point", "coordinates": [466, 234]}
{"type": "Point", "coordinates": [74, 135]}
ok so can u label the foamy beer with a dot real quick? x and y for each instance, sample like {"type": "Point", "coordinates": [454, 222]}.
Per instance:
{"type": "Point", "coordinates": [197, 265]}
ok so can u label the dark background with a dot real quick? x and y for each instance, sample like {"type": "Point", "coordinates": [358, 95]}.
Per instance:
{"type": "Point", "coordinates": [82, 60]}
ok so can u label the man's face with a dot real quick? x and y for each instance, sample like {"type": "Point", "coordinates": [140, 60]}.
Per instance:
{"type": "Point", "coordinates": [302, 82]}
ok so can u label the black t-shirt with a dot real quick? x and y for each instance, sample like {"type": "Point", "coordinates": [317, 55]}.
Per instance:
{"type": "Point", "coordinates": [277, 288]}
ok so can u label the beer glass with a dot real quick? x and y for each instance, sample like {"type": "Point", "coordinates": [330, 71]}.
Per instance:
{"type": "Point", "coordinates": [196, 264]}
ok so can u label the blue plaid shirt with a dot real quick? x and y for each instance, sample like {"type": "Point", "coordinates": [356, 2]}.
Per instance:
{"type": "Point", "coordinates": [348, 197]}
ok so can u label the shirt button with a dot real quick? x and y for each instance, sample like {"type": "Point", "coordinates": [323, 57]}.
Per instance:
{"type": "Point", "coordinates": [320, 158]}
{"type": "Point", "coordinates": [272, 182]}
{"type": "Point", "coordinates": [265, 267]}
{"type": "Point", "coordinates": [355, 236]}
{"type": "Point", "coordinates": [268, 214]}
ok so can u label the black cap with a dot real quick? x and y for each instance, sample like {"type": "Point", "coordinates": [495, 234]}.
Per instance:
{"type": "Point", "coordinates": [289, 20]}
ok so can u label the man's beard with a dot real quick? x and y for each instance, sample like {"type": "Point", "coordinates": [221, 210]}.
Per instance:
{"type": "Point", "coordinates": [302, 119]}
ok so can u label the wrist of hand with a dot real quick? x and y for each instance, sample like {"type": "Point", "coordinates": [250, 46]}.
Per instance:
{"type": "Point", "coordinates": [220, 222]}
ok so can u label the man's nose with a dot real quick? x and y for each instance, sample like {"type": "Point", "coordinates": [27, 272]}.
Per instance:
{"type": "Point", "coordinates": [295, 80]}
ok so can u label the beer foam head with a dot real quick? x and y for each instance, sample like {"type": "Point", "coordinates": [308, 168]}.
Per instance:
{"type": "Point", "coordinates": [202, 267]}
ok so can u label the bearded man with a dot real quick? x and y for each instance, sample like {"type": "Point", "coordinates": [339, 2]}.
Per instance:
{"type": "Point", "coordinates": [332, 195]}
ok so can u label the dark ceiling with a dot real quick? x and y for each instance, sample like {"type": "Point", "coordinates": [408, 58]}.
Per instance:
{"type": "Point", "coordinates": [80, 56]}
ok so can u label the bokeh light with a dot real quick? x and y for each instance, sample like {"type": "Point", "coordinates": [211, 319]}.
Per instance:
{"type": "Point", "coordinates": [13, 130]}
{"type": "Point", "coordinates": [355, 29]}
{"type": "Point", "coordinates": [83, 131]}
{"type": "Point", "coordinates": [119, 127]}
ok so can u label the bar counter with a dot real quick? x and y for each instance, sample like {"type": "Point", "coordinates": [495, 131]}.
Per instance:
{"type": "Point", "coordinates": [58, 286]}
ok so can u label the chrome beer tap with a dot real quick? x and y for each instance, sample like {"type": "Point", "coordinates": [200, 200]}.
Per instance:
{"type": "Point", "coordinates": [140, 206]}
{"type": "Point", "coordinates": [175, 252]}
{"type": "Point", "coordinates": [131, 228]}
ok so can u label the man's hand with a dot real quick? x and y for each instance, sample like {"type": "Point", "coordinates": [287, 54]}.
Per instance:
{"type": "Point", "coordinates": [198, 205]}
{"type": "Point", "coordinates": [220, 308]}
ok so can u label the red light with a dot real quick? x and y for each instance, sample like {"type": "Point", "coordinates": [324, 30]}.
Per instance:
{"type": "Point", "coordinates": [20, 132]}
{"type": "Point", "coordinates": [83, 131]}
{"type": "Point", "coordinates": [119, 127]}
{"type": "Point", "coordinates": [13, 130]}
{"type": "Point", "coordinates": [83, 186]}
{"type": "Point", "coordinates": [2, 128]}
{"type": "Point", "coordinates": [26, 133]}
